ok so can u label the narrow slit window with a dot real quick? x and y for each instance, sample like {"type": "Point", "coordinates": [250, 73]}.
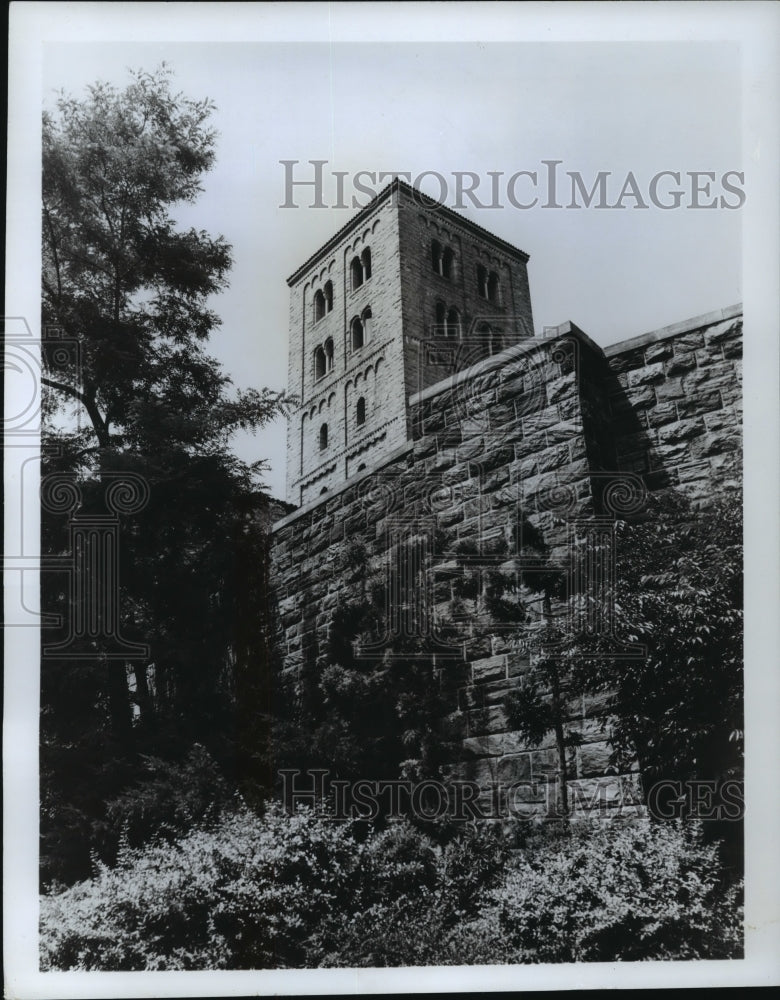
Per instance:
{"type": "Point", "coordinates": [494, 288]}
{"type": "Point", "coordinates": [358, 334]}
{"type": "Point", "coordinates": [319, 363]}
{"type": "Point", "coordinates": [447, 261]}
{"type": "Point", "coordinates": [360, 412]}
{"type": "Point", "coordinates": [482, 281]}
{"type": "Point", "coordinates": [356, 272]}
{"type": "Point", "coordinates": [323, 437]}
{"type": "Point", "coordinates": [319, 305]}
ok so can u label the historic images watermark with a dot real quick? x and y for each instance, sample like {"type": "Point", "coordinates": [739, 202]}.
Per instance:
{"type": "Point", "coordinates": [611, 797]}
{"type": "Point", "coordinates": [549, 185]}
{"type": "Point", "coordinates": [90, 625]}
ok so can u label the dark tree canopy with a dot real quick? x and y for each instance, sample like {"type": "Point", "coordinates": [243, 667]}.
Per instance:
{"type": "Point", "coordinates": [134, 292]}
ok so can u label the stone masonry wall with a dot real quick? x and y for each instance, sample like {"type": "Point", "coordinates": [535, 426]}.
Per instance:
{"type": "Point", "coordinates": [537, 436]}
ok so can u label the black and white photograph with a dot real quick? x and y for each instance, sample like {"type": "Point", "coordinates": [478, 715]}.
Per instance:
{"type": "Point", "coordinates": [391, 497]}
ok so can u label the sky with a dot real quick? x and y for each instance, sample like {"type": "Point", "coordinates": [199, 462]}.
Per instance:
{"type": "Point", "coordinates": [483, 107]}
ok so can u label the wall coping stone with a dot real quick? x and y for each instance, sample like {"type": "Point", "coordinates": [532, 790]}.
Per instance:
{"type": "Point", "coordinates": [664, 332]}
{"type": "Point", "coordinates": [551, 333]}
{"type": "Point", "coordinates": [389, 459]}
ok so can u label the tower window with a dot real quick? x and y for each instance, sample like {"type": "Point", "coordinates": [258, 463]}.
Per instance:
{"type": "Point", "coordinates": [319, 363]}
{"type": "Point", "coordinates": [360, 412]}
{"type": "Point", "coordinates": [329, 354]}
{"type": "Point", "coordinates": [358, 334]}
{"type": "Point", "coordinates": [482, 281]}
{"type": "Point", "coordinates": [328, 296]}
{"type": "Point", "coordinates": [447, 321]}
{"type": "Point", "coordinates": [319, 305]}
{"type": "Point", "coordinates": [323, 437]}
{"type": "Point", "coordinates": [492, 338]}
{"type": "Point", "coordinates": [442, 259]}
{"type": "Point", "coordinates": [494, 288]}
{"type": "Point", "coordinates": [360, 269]}
{"type": "Point", "coordinates": [356, 273]}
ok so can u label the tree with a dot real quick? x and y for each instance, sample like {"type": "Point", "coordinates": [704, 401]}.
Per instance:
{"type": "Point", "coordinates": [678, 593]}
{"type": "Point", "coordinates": [141, 396]}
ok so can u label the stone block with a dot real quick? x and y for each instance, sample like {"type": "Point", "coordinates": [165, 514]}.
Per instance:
{"type": "Point", "coordinates": [683, 362]}
{"type": "Point", "coordinates": [701, 402]}
{"type": "Point", "coordinates": [663, 413]}
{"type": "Point", "coordinates": [688, 341]}
{"type": "Point", "coordinates": [554, 458]}
{"type": "Point", "coordinates": [671, 389]}
{"type": "Point", "coordinates": [658, 352]}
{"type": "Point", "coordinates": [647, 375]}
{"type": "Point", "coordinates": [491, 668]}
{"type": "Point", "coordinates": [516, 767]}
{"type": "Point", "coordinates": [627, 360]}
{"type": "Point", "coordinates": [564, 430]}
{"type": "Point", "coordinates": [682, 430]}
{"type": "Point", "coordinates": [593, 759]}
{"type": "Point", "coordinates": [727, 330]}
{"type": "Point", "coordinates": [640, 398]}
{"type": "Point", "coordinates": [715, 444]}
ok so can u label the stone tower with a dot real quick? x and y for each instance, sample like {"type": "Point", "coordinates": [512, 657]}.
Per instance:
{"type": "Point", "coordinates": [405, 294]}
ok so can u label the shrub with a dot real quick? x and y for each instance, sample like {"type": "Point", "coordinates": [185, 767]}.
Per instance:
{"type": "Point", "coordinates": [624, 891]}
{"type": "Point", "coordinates": [301, 891]}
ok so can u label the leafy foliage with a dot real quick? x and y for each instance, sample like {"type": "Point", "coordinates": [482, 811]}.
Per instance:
{"type": "Point", "coordinates": [678, 593]}
{"type": "Point", "coordinates": [142, 397]}
{"type": "Point", "coordinates": [300, 892]}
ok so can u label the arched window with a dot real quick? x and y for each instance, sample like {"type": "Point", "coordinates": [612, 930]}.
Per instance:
{"type": "Point", "coordinates": [328, 296]}
{"type": "Point", "coordinates": [329, 354]}
{"type": "Point", "coordinates": [447, 264]}
{"type": "Point", "coordinates": [494, 288]}
{"type": "Point", "coordinates": [356, 272]}
{"type": "Point", "coordinates": [319, 305]}
{"type": "Point", "coordinates": [360, 412]}
{"type": "Point", "coordinates": [441, 318]}
{"type": "Point", "coordinates": [453, 323]}
{"type": "Point", "coordinates": [358, 333]}
{"type": "Point", "coordinates": [492, 338]}
{"type": "Point", "coordinates": [365, 259]}
{"type": "Point", "coordinates": [323, 437]}
{"type": "Point", "coordinates": [319, 363]}
{"type": "Point", "coordinates": [436, 256]}
{"type": "Point", "coordinates": [482, 281]}
{"type": "Point", "coordinates": [366, 320]}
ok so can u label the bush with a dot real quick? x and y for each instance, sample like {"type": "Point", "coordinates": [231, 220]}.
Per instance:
{"type": "Point", "coordinates": [301, 891]}
{"type": "Point", "coordinates": [622, 892]}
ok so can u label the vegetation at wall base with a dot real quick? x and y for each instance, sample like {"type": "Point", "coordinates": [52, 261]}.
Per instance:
{"type": "Point", "coordinates": [300, 891]}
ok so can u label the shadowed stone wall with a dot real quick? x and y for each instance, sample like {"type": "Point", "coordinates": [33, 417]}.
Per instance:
{"type": "Point", "coordinates": [554, 435]}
